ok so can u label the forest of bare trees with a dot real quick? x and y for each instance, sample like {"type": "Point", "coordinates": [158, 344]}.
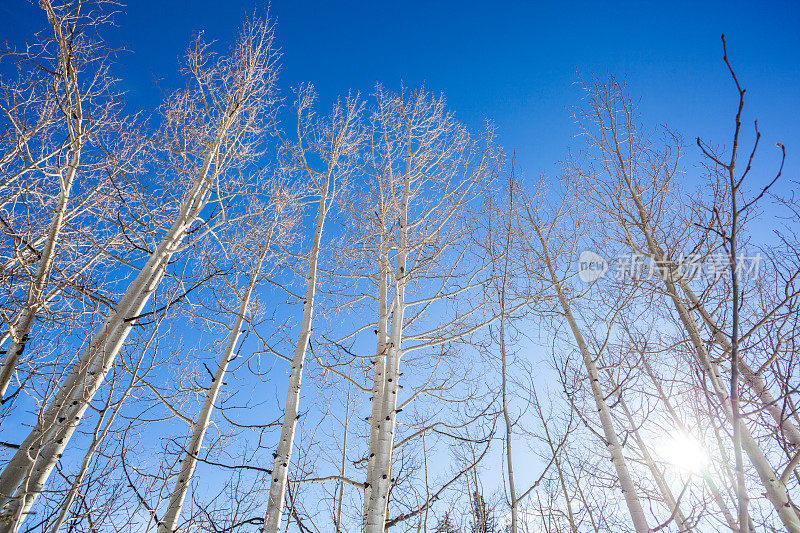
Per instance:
{"type": "Point", "coordinates": [247, 310]}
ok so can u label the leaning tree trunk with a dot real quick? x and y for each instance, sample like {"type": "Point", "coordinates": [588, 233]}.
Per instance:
{"type": "Point", "coordinates": [283, 455]}
{"type": "Point", "coordinates": [775, 488]}
{"type": "Point", "coordinates": [100, 432]}
{"type": "Point", "coordinates": [556, 452]}
{"type": "Point", "coordinates": [612, 440]}
{"type": "Point", "coordinates": [21, 325]}
{"type": "Point", "coordinates": [26, 473]}
{"type": "Point", "coordinates": [169, 522]}
{"type": "Point", "coordinates": [712, 486]}
{"type": "Point", "coordinates": [754, 380]}
{"type": "Point", "coordinates": [684, 526]}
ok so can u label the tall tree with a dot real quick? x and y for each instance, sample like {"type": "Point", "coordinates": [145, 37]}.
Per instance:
{"type": "Point", "coordinates": [546, 242]}
{"type": "Point", "coordinates": [334, 141]}
{"type": "Point", "coordinates": [61, 116]}
{"type": "Point", "coordinates": [266, 231]}
{"type": "Point", "coordinates": [429, 174]}
{"type": "Point", "coordinates": [216, 125]}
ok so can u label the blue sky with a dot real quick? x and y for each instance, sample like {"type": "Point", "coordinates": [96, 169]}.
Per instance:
{"type": "Point", "coordinates": [514, 62]}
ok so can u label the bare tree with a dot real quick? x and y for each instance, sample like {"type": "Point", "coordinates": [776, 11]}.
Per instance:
{"type": "Point", "coordinates": [428, 174]}
{"type": "Point", "coordinates": [538, 244]}
{"type": "Point", "coordinates": [230, 108]}
{"type": "Point", "coordinates": [70, 94]}
{"type": "Point", "coordinates": [335, 141]}
{"type": "Point", "coordinates": [633, 185]}
{"type": "Point", "coordinates": [275, 223]}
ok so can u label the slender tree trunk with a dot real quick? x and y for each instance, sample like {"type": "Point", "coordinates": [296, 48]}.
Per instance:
{"type": "Point", "coordinates": [752, 379]}
{"type": "Point", "coordinates": [21, 325]}
{"type": "Point", "coordinates": [26, 473]}
{"type": "Point", "coordinates": [775, 489]}
{"type": "Point", "coordinates": [512, 493]}
{"type": "Point", "coordinates": [570, 515]}
{"type": "Point", "coordinates": [338, 516]}
{"type": "Point", "coordinates": [382, 474]}
{"type": "Point", "coordinates": [669, 499]}
{"type": "Point", "coordinates": [556, 460]}
{"type": "Point", "coordinates": [736, 415]}
{"type": "Point", "coordinates": [427, 484]}
{"type": "Point", "coordinates": [582, 496]}
{"type": "Point", "coordinates": [712, 486]}
{"type": "Point", "coordinates": [97, 438]}
{"type": "Point", "coordinates": [169, 522]}
{"type": "Point", "coordinates": [612, 441]}
{"type": "Point", "coordinates": [280, 470]}
{"type": "Point", "coordinates": [379, 374]}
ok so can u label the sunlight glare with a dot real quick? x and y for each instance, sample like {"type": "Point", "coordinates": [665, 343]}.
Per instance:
{"type": "Point", "coordinates": [685, 452]}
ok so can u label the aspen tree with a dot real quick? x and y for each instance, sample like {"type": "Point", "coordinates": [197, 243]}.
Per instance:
{"type": "Point", "coordinates": [642, 223]}
{"type": "Point", "coordinates": [335, 141]}
{"type": "Point", "coordinates": [237, 96]}
{"type": "Point", "coordinates": [77, 86]}
{"type": "Point", "coordinates": [430, 173]}
{"type": "Point", "coordinates": [540, 239]}
{"type": "Point", "coordinates": [281, 210]}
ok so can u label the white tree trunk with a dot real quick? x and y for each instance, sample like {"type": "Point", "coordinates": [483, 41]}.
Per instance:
{"type": "Point", "coordinates": [684, 525]}
{"type": "Point", "coordinates": [385, 423]}
{"type": "Point", "coordinates": [775, 489]}
{"type": "Point", "coordinates": [97, 438]}
{"type": "Point", "coordinates": [712, 487]}
{"type": "Point", "coordinates": [21, 325]}
{"type": "Point", "coordinates": [28, 470]}
{"type": "Point", "coordinates": [169, 522]}
{"type": "Point", "coordinates": [563, 482]}
{"type": "Point", "coordinates": [379, 376]}
{"type": "Point", "coordinates": [753, 380]}
{"type": "Point", "coordinates": [384, 444]}
{"type": "Point", "coordinates": [280, 469]}
{"type": "Point", "coordinates": [612, 440]}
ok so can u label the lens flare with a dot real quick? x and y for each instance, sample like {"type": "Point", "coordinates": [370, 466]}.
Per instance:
{"type": "Point", "coordinates": [685, 452]}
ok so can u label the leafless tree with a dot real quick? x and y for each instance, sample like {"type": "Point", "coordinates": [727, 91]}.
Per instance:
{"type": "Point", "coordinates": [213, 127]}
{"type": "Point", "coordinates": [335, 141]}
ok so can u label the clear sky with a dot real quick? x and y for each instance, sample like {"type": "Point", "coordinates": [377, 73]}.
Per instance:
{"type": "Point", "coordinates": [514, 62]}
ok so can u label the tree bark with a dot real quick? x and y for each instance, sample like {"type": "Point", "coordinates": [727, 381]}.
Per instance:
{"type": "Point", "coordinates": [280, 469]}
{"type": "Point", "coordinates": [169, 522]}
{"type": "Point", "coordinates": [612, 440]}
{"type": "Point", "coordinates": [379, 375]}
{"type": "Point", "coordinates": [384, 445]}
